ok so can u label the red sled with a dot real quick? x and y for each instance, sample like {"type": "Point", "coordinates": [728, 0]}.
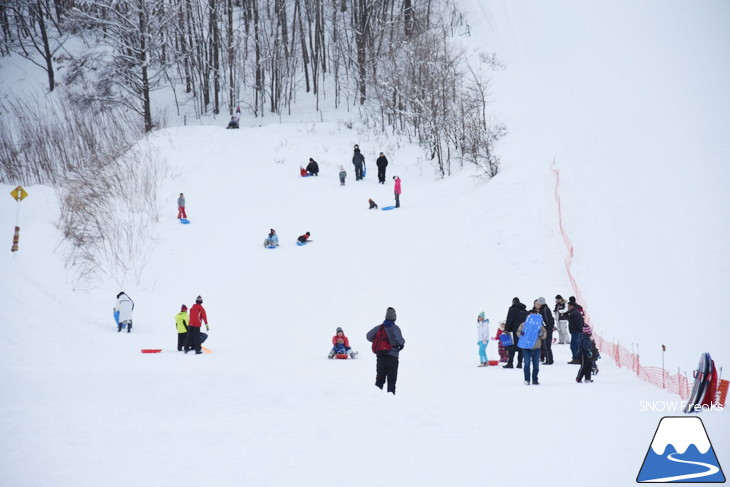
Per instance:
{"type": "Point", "coordinates": [151, 350]}
{"type": "Point", "coordinates": [341, 356]}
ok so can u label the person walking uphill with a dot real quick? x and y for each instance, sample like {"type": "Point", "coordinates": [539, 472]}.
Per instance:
{"type": "Point", "coordinates": [358, 160]}
{"type": "Point", "coordinates": [387, 342]}
{"type": "Point", "coordinates": [198, 316]}
{"type": "Point", "coordinates": [382, 163]}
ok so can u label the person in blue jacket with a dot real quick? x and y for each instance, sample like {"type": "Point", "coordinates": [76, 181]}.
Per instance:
{"type": "Point", "coordinates": [585, 352]}
{"type": "Point", "coordinates": [272, 240]}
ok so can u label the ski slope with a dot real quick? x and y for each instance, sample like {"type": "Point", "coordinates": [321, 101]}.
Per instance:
{"type": "Point", "coordinates": [644, 202]}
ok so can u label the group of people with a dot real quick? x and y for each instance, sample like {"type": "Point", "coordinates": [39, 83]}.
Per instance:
{"type": "Point", "coordinates": [189, 336]}
{"type": "Point", "coordinates": [358, 161]}
{"type": "Point", "coordinates": [571, 328]}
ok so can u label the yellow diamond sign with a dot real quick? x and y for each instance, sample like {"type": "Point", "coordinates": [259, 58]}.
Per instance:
{"type": "Point", "coordinates": [18, 193]}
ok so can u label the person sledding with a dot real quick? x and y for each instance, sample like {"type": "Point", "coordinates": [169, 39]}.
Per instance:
{"type": "Point", "coordinates": [341, 346]}
{"type": "Point", "coordinates": [302, 239]}
{"type": "Point", "coordinates": [233, 124]}
{"type": "Point", "coordinates": [272, 240]}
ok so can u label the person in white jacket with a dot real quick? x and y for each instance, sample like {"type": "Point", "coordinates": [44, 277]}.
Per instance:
{"type": "Point", "coordinates": [124, 308]}
{"type": "Point", "coordinates": [483, 335]}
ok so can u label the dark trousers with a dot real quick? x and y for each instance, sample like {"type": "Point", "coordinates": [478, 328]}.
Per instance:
{"type": "Point", "coordinates": [381, 175]}
{"type": "Point", "coordinates": [181, 337]}
{"type": "Point", "coordinates": [358, 172]}
{"type": "Point", "coordinates": [386, 368]}
{"type": "Point", "coordinates": [397, 200]}
{"type": "Point", "coordinates": [512, 349]}
{"type": "Point", "coordinates": [193, 341]}
{"type": "Point", "coordinates": [585, 368]}
{"type": "Point", "coordinates": [532, 358]}
{"type": "Point", "coordinates": [547, 348]}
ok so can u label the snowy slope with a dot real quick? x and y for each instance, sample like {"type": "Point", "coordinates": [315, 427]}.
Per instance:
{"type": "Point", "coordinates": [81, 406]}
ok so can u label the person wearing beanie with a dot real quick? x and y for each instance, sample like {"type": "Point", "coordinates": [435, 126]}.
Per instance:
{"type": "Point", "coordinates": [585, 352]}
{"type": "Point", "coordinates": [546, 352]}
{"type": "Point", "coordinates": [341, 345]}
{"type": "Point", "coordinates": [181, 324]}
{"type": "Point", "coordinates": [303, 238]}
{"type": "Point", "coordinates": [123, 312]}
{"type": "Point", "coordinates": [561, 316]}
{"type": "Point", "coordinates": [198, 316]}
{"type": "Point", "coordinates": [386, 366]}
{"type": "Point", "coordinates": [575, 328]}
{"type": "Point", "coordinates": [482, 339]}
{"type": "Point", "coordinates": [342, 175]}
{"type": "Point", "coordinates": [516, 315]}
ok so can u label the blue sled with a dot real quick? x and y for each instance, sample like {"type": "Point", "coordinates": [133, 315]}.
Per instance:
{"type": "Point", "coordinates": [184, 221]}
{"type": "Point", "coordinates": [386, 208]}
{"type": "Point", "coordinates": [302, 243]}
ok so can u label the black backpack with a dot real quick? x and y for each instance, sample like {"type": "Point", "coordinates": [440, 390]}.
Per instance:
{"type": "Point", "coordinates": [381, 344]}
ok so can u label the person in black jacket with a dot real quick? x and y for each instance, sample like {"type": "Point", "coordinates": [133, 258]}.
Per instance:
{"type": "Point", "coordinates": [313, 167]}
{"type": "Point", "coordinates": [516, 315]}
{"type": "Point", "coordinates": [547, 318]}
{"type": "Point", "coordinates": [358, 160]}
{"type": "Point", "coordinates": [575, 327]}
{"type": "Point", "coordinates": [382, 163]}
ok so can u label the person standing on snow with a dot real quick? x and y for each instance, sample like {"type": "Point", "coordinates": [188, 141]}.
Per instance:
{"type": "Point", "coordinates": [516, 315]}
{"type": "Point", "coordinates": [386, 367]}
{"type": "Point", "coordinates": [483, 339]}
{"type": "Point", "coordinates": [532, 355]}
{"type": "Point", "coordinates": [181, 324]}
{"type": "Point", "coordinates": [358, 160]}
{"type": "Point", "coordinates": [575, 328]}
{"type": "Point", "coordinates": [547, 318]}
{"type": "Point", "coordinates": [181, 207]}
{"type": "Point", "coordinates": [343, 175]}
{"type": "Point", "coordinates": [382, 163]}
{"type": "Point", "coordinates": [561, 316]}
{"type": "Point", "coordinates": [585, 352]}
{"type": "Point", "coordinates": [198, 316]}
{"type": "Point", "coordinates": [397, 191]}
{"type": "Point", "coordinates": [124, 308]}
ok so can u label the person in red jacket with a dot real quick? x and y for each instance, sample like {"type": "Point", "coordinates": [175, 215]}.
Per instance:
{"type": "Point", "coordinates": [340, 344]}
{"type": "Point", "coordinates": [198, 316]}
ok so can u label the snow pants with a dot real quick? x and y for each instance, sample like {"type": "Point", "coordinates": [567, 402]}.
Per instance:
{"type": "Point", "coordinates": [483, 351]}
{"type": "Point", "coordinates": [547, 347]}
{"type": "Point", "coordinates": [181, 337]}
{"type": "Point", "coordinates": [381, 175]}
{"type": "Point", "coordinates": [181, 212]}
{"type": "Point", "coordinates": [193, 341]}
{"type": "Point", "coordinates": [358, 172]}
{"type": "Point", "coordinates": [386, 368]}
{"type": "Point", "coordinates": [585, 368]}
{"type": "Point", "coordinates": [563, 336]}
{"type": "Point", "coordinates": [397, 200]}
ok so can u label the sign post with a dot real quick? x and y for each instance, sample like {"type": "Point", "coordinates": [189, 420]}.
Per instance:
{"type": "Point", "coordinates": [18, 195]}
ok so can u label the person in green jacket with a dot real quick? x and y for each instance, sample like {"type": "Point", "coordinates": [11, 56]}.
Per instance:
{"type": "Point", "coordinates": [181, 323]}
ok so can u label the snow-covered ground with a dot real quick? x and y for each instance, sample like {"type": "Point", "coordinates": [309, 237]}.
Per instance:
{"type": "Point", "coordinates": [631, 103]}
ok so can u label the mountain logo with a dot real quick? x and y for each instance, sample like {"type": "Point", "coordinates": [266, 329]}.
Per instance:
{"type": "Point", "coordinates": [681, 452]}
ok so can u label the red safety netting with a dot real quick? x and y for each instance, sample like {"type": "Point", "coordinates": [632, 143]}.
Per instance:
{"type": "Point", "coordinates": [677, 383]}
